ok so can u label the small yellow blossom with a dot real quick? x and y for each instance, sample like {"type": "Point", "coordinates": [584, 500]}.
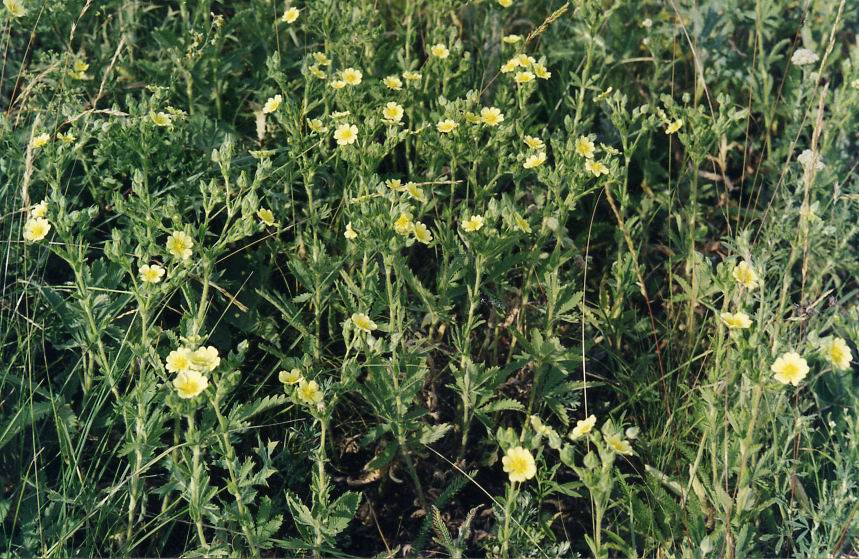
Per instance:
{"type": "Point", "coordinates": [316, 125]}
{"type": "Point", "coordinates": [178, 360]}
{"type": "Point", "coordinates": [415, 192]}
{"type": "Point", "coordinates": [542, 72]}
{"type": "Point", "coordinates": [440, 51]}
{"type": "Point", "coordinates": [79, 69]}
{"type": "Point", "coordinates": [837, 353]}
{"type": "Point", "coordinates": [403, 225]}
{"type": "Point", "coordinates": [596, 168]}
{"type": "Point", "coordinates": [338, 84]}
{"type": "Point", "coordinates": [491, 116]}
{"type": "Point", "coordinates": [266, 216]}
{"type": "Point", "coordinates": [473, 223]}
{"type": "Point", "coordinates": [346, 134]}
{"type": "Point", "coordinates": [189, 384]}
{"type": "Point", "coordinates": [533, 143]}
{"type": "Point", "coordinates": [422, 233]}
{"type": "Point", "coordinates": [205, 358]}
{"type": "Point", "coordinates": [673, 126]}
{"type": "Point", "coordinates": [321, 58]}
{"type": "Point", "coordinates": [36, 229]}
{"type": "Point", "coordinates": [40, 140]}
{"type": "Point", "coordinates": [619, 445]}
{"type": "Point", "coordinates": [446, 126]}
{"type": "Point", "coordinates": [317, 72]}
{"type": "Point", "coordinates": [394, 184]}
{"type": "Point", "coordinates": [736, 321]}
{"type": "Point", "coordinates": [392, 112]}
{"type": "Point", "coordinates": [472, 118]}
{"type": "Point", "coordinates": [410, 76]}
{"type": "Point", "coordinates": [290, 377]}
{"type": "Point", "coordinates": [745, 275]}
{"type": "Point", "coordinates": [509, 66]}
{"type": "Point", "coordinates": [15, 8]}
{"type": "Point", "coordinates": [790, 368]}
{"type": "Point", "coordinates": [363, 322]}
{"type": "Point", "coordinates": [524, 60]}
{"type": "Point", "coordinates": [272, 104]}
{"type": "Point", "coordinates": [534, 161]}
{"type": "Point", "coordinates": [66, 138]}
{"type": "Point", "coordinates": [351, 76]}
{"type": "Point", "coordinates": [40, 209]}
{"type": "Point", "coordinates": [350, 233]}
{"type": "Point", "coordinates": [290, 15]}
{"type": "Point", "coordinates": [393, 82]}
{"type": "Point", "coordinates": [151, 273]}
{"type": "Point", "coordinates": [520, 223]}
{"type": "Point", "coordinates": [161, 119]}
{"type": "Point", "coordinates": [519, 464]}
{"type": "Point", "coordinates": [180, 245]}
{"type": "Point", "coordinates": [583, 427]}
{"type": "Point", "coordinates": [585, 147]}
{"type": "Point", "coordinates": [524, 77]}
{"type": "Point", "coordinates": [505, 3]}
{"type": "Point", "coordinates": [309, 392]}
{"type": "Point", "coordinates": [511, 39]}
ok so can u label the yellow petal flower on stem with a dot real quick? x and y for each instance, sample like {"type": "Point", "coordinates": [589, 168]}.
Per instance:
{"type": "Point", "coordinates": [473, 223]}
{"type": "Point", "coordinates": [161, 119]}
{"type": "Point", "coordinates": [583, 427]}
{"type": "Point", "coordinates": [519, 464]}
{"type": "Point", "coordinates": [272, 104]}
{"type": "Point", "coordinates": [290, 377]}
{"type": "Point", "coordinates": [790, 368]}
{"type": "Point", "coordinates": [36, 229]}
{"type": "Point", "coordinates": [585, 147]}
{"type": "Point", "coordinates": [309, 392]}
{"type": "Point", "coordinates": [673, 126]}
{"type": "Point", "coordinates": [745, 275]}
{"type": "Point", "coordinates": [151, 273]}
{"type": "Point", "coordinates": [350, 233]}
{"type": "Point", "coordinates": [266, 216]}
{"type": "Point", "coordinates": [363, 322]}
{"type": "Point", "coordinates": [393, 82]}
{"type": "Point", "coordinates": [619, 445]}
{"type": "Point", "coordinates": [446, 126]}
{"type": "Point", "coordinates": [837, 353]}
{"type": "Point", "coordinates": [491, 116]}
{"type": "Point", "coordinates": [346, 134]}
{"type": "Point", "coordinates": [15, 8]}
{"type": "Point", "coordinates": [524, 77]}
{"type": "Point", "coordinates": [351, 76]}
{"type": "Point", "coordinates": [736, 321]}
{"type": "Point", "coordinates": [403, 225]}
{"type": "Point", "coordinates": [40, 140]}
{"type": "Point", "coordinates": [534, 161]}
{"type": "Point", "coordinates": [440, 51]}
{"type": "Point", "coordinates": [290, 15]}
{"type": "Point", "coordinates": [422, 233]}
{"type": "Point", "coordinates": [189, 384]}
{"type": "Point", "coordinates": [178, 360]}
{"type": "Point", "coordinates": [596, 168]}
{"type": "Point", "coordinates": [205, 359]}
{"type": "Point", "coordinates": [533, 142]}
{"type": "Point", "coordinates": [392, 112]}
{"type": "Point", "coordinates": [180, 245]}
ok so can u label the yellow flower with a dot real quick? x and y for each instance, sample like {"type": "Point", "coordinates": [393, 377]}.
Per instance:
{"type": "Point", "coordinates": [338, 84]}
{"type": "Point", "coordinates": [151, 273]}
{"type": "Point", "coordinates": [40, 209]}
{"type": "Point", "coordinates": [321, 58]}
{"type": "Point", "coordinates": [346, 134]}
{"type": "Point", "coordinates": [509, 66]}
{"type": "Point", "coordinates": [473, 223]}
{"type": "Point", "coordinates": [316, 125]}
{"type": "Point", "coordinates": [491, 116]}
{"type": "Point", "coordinates": [272, 104]}
{"type": "Point", "coordinates": [596, 168]}
{"type": "Point", "coordinates": [524, 60]}
{"type": "Point", "coordinates": [394, 184]}
{"type": "Point", "coordinates": [266, 216]}
{"type": "Point", "coordinates": [178, 360]}
{"type": "Point", "coordinates": [290, 15]}
{"type": "Point", "coordinates": [317, 72]}
{"type": "Point", "coordinates": [180, 245]}
{"type": "Point", "coordinates": [583, 427]}
{"type": "Point", "coordinates": [422, 233]}
{"type": "Point", "coordinates": [205, 359]}
{"type": "Point", "coordinates": [472, 118]}
{"type": "Point", "coordinates": [505, 3]}
{"type": "Point", "coordinates": [542, 72]}
{"type": "Point", "coordinates": [446, 126]}
{"type": "Point", "coordinates": [790, 368]}
{"type": "Point", "coordinates": [736, 321]}
{"type": "Point", "coordinates": [837, 353]}
{"type": "Point", "coordinates": [290, 377]}
{"type": "Point", "coordinates": [620, 446]}
{"type": "Point", "coordinates": [745, 275]}
{"type": "Point", "coordinates": [439, 51]}
{"type": "Point", "coordinates": [363, 322]}
{"type": "Point", "coordinates": [393, 112]}
{"type": "Point", "coordinates": [403, 225]}
{"type": "Point", "coordinates": [79, 69]}
{"type": "Point", "coordinates": [533, 161]}
{"type": "Point", "coordinates": [309, 392]}
{"type": "Point", "coordinates": [15, 8]}
{"type": "Point", "coordinates": [673, 126]}
{"type": "Point", "coordinates": [519, 464]}
{"type": "Point", "coordinates": [533, 143]}
{"type": "Point", "coordinates": [524, 77]}
{"type": "Point", "coordinates": [350, 233]}
{"type": "Point", "coordinates": [410, 76]}
{"type": "Point", "coordinates": [36, 229]}
{"type": "Point", "coordinates": [521, 224]}
{"type": "Point", "coordinates": [161, 119]}
{"type": "Point", "coordinates": [393, 82]}
{"type": "Point", "coordinates": [511, 39]}
{"type": "Point", "coordinates": [189, 384]}
{"type": "Point", "coordinates": [40, 140]}
{"type": "Point", "coordinates": [351, 76]}
{"type": "Point", "coordinates": [66, 138]}
{"type": "Point", "coordinates": [416, 192]}
{"type": "Point", "coordinates": [585, 147]}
